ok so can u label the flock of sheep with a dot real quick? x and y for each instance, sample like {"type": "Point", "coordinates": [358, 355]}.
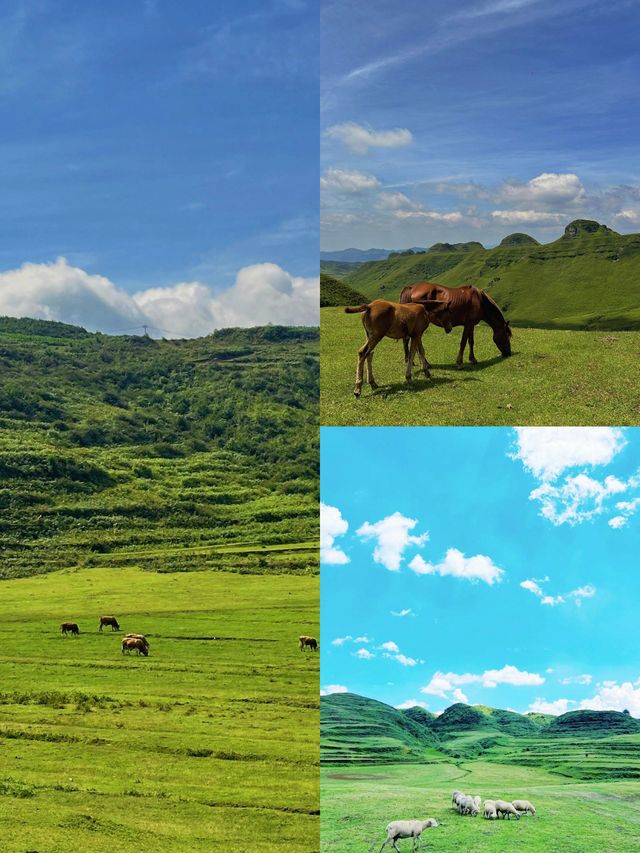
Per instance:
{"type": "Point", "coordinates": [464, 805]}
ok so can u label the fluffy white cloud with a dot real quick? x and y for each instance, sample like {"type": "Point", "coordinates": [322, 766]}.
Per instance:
{"type": "Point", "coordinates": [552, 600]}
{"type": "Point", "coordinates": [577, 499]}
{"type": "Point", "coordinates": [587, 591]}
{"type": "Point", "coordinates": [404, 660]}
{"type": "Point", "coordinates": [444, 683]}
{"type": "Point", "coordinates": [394, 201]}
{"type": "Point", "coordinates": [389, 646]}
{"type": "Point", "coordinates": [585, 678]}
{"type": "Point", "coordinates": [340, 641]}
{"type": "Point", "coordinates": [360, 139]}
{"type": "Point", "coordinates": [456, 564]}
{"type": "Point", "coordinates": [527, 217]}
{"type": "Point", "coordinates": [627, 509]}
{"type": "Point", "coordinates": [406, 612]}
{"type": "Point", "coordinates": [348, 181]}
{"type": "Point", "coordinates": [549, 189]}
{"type": "Point", "coordinates": [559, 706]}
{"type": "Point", "coordinates": [262, 293]}
{"type": "Point", "coordinates": [459, 696]}
{"type": "Point", "coordinates": [532, 586]}
{"type": "Point", "coordinates": [629, 215]}
{"type": "Point", "coordinates": [548, 451]}
{"type": "Point", "coordinates": [411, 703]}
{"type": "Point", "coordinates": [333, 688]}
{"type": "Point", "coordinates": [392, 538]}
{"type": "Point", "coordinates": [364, 654]}
{"type": "Point", "coordinates": [617, 521]}
{"type": "Point", "coordinates": [332, 525]}
{"type": "Point", "coordinates": [453, 217]}
{"type": "Point", "coordinates": [612, 696]}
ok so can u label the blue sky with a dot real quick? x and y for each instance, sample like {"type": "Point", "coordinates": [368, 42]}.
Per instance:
{"type": "Point", "coordinates": [423, 566]}
{"type": "Point", "coordinates": [514, 115]}
{"type": "Point", "coordinates": [155, 143]}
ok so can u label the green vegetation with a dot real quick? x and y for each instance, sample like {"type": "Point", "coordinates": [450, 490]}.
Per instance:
{"type": "Point", "coordinates": [334, 292]}
{"type": "Point", "coordinates": [173, 455]}
{"type": "Point", "coordinates": [588, 279]}
{"type": "Point", "coordinates": [338, 269]}
{"type": "Point", "coordinates": [554, 377]}
{"type": "Point", "coordinates": [208, 742]}
{"type": "Point", "coordinates": [580, 770]}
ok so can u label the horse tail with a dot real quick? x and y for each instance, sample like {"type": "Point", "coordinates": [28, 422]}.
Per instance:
{"type": "Point", "coordinates": [405, 294]}
{"type": "Point", "coordinates": [358, 310]}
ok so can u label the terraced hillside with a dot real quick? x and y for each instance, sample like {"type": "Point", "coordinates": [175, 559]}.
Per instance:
{"type": "Point", "coordinates": [587, 279]}
{"type": "Point", "coordinates": [172, 455]}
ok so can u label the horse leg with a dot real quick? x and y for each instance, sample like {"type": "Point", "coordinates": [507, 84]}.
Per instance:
{"type": "Point", "coordinates": [463, 343]}
{"type": "Point", "coordinates": [372, 381]}
{"type": "Point", "coordinates": [412, 355]}
{"type": "Point", "coordinates": [405, 344]}
{"type": "Point", "coordinates": [472, 358]}
{"type": "Point", "coordinates": [362, 355]}
{"type": "Point", "coordinates": [423, 359]}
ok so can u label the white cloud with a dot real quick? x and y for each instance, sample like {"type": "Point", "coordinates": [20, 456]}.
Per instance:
{"type": "Point", "coordinates": [348, 181]}
{"type": "Point", "coordinates": [585, 678]}
{"type": "Point", "coordinates": [559, 706]}
{"type": "Point", "coordinates": [552, 600]}
{"type": "Point", "coordinates": [578, 498]}
{"type": "Point", "coordinates": [392, 537]}
{"type": "Point", "coordinates": [612, 696]}
{"type": "Point", "coordinates": [362, 640]}
{"type": "Point", "coordinates": [340, 641]}
{"type": "Point", "coordinates": [629, 215]}
{"type": "Point", "coordinates": [459, 696]}
{"type": "Point", "coordinates": [532, 586]}
{"type": "Point", "coordinates": [527, 217]}
{"type": "Point", "coordinates": [406, 612]}
{"type": "Point", "coordinates": [403, 659]}
{"type": "Point", "coordinates": [333, 688]}
{"type": "Point", "coordinates": [332, 525]}
{"type": "Point", "coordinates": [627, 509]}
{"type": "Point", "coordinates": [443, 683]}
{"type": "Point", "coordinates": [587, 591]}
{"type": "Point", "coordinates": [617, 521]}
{"type": "Point", "coordinates": [547, 189]}
{"type": "Point", "coordinates": [262, 293]}
{"type": "Point", "coordinates": [453, 217]}
{"type": "Point", "coordinates": [457, 565]}
{"type": "Point", "coordinates": [394, 201]}
{"type": "Point", "coordinates": [411, 703]}
{"type": "Point", "coordinates": [548, 451]}
{"type": "Point", "coordinates": [364, 654]}
{"type": "Point", "coordinates": [360, 139]}
{"type": "Point", "coordinates": [581, 592]}
{"type": "Point", "coordinates": [389, 646]}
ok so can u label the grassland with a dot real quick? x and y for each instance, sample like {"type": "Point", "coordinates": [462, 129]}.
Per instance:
{"type": "Point", "coordinates": [209, 743]}
{"type": "Point", "coordinates": [553, 377]}
{"type": "Point", "coordinates": [334, 292]}
{"type": "Point", "coordinates": [580, 770]}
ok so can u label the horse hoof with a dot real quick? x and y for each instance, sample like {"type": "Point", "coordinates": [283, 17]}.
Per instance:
{"type": "Point", "coordinates": [356, 394]}
{"type": "Point", "coordinates": [459, 366]}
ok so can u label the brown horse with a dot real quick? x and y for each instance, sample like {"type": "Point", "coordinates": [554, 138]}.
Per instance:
{"type": "Point", "coordinates": [468, 306]}
{"type": "Point", "coordinates": [70, 628]}
{"type": "Point", "coordinates": [383, 319]}
{"type": "Point", "coordinates": [109, 620]}
{"type": "Point", "coordinates": [308, 641]}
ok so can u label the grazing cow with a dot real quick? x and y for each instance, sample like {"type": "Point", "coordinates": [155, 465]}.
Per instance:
{"type": "Point", "coordinates": [137, 637]}
{"type": "Point", "coordinates": [129, 643]}
{"type": "Point", "coordinates": [468, 306]}
{"type": "Point", "coordinates": [70, 628]}
{"type": "Point", "coordinates": [308, 641]}
{"type": "Point", "coordinates": [382, 319]}
{"type": "Point", "coordinates": [109, 620]}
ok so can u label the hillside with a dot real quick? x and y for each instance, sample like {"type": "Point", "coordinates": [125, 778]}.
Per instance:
{"type": "Point", "coordinates": [587, 279]}
{"type": "Point", "coordinates": [354, 255]}
{"type": "Point", "coordinates": [334, 293]}
{"type": "Point", "coordinates": [169, 455]}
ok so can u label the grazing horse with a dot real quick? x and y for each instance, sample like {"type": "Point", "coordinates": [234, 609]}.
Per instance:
{"type": "Point", "coordinates": [70, 628]}
{"type": "Point", "coordinates": [468, 306]}
{"type": "Point", "coordinates": [129, 643]}
{"type": "Point", "coordinates": [383, 319]}
{"type": "Point", "coordinates": [109, 620]}
{"type": "Point", "coordinates": [308, 641]}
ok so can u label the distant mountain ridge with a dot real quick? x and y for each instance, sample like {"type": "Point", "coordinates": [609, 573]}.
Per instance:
{"type": "Point", "coordinates": [589, 278]}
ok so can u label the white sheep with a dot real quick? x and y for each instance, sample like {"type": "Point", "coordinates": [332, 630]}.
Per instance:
{"type": "Point", "coordinates": [523, 806]}
{"type": "Point", "coordinates": [468, 805]}
{"type": "Point", "coordinates": [490, 812]}
{"type": "Point", "coordinates": [505, 809]}
{"type": "Point", "coordinates": [455, 796]}
{"type": "Point", "coordinates": [407, 829]}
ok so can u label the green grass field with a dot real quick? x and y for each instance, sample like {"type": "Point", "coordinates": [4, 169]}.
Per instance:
{"type": "Point", "coordinates": [573, 817]}
{"type": "Point", "coordinates": [554, 377]}
{"type": "Point", "coordinates": [210, 743]}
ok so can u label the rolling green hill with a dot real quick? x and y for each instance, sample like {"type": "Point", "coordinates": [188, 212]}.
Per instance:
{"type": "Point", "coordinates": [334, 292]}
{"type": "Point", "coordinates": [166, 454]}
{"type": "Point", "coordinates": [587, 279]}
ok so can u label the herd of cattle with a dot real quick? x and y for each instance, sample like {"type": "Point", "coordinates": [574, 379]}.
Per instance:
{"type": "Point", "coordinates": [130, 642]}
{"type": "Point", "coordinates": [464, 805]}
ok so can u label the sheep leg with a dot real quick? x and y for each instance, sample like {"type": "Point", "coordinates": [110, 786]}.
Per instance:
{"type": "Point", "coordinates": [384, 845]}
{"type": "Point", "coordinates": [395, 845]}
{"type": "Point", "coordinates": [472, 358]}
{"type": "Point", "coordinates": [423, 359]}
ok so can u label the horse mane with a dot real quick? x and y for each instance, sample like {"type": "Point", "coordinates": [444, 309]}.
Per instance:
{"type": "Point", "coordinates": [494, 315]}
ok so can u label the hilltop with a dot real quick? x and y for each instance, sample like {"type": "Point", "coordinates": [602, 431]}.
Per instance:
{"type": "Point", "coordinates": [334, 292]}
{"type": "Point", "coordinates": [169, 454]}
{"type": "Point", "coordinates": [587, 279]}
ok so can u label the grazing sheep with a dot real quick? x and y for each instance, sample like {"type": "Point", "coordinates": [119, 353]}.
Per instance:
{"type": "Point", "coordinates": [505, 810]}
{"type": "Point", "coordinates": [490, 812]}
{"type": "Point", "coordinates": [455, 796]}
{"type": "Point", "coordinates": [523, 806]}
{"type": "Point", "coordinates": [129, 643]}
{"type": "Point", "coordinates": [468, 805]}
{"type": "Point", "coordinates": [407, 829]}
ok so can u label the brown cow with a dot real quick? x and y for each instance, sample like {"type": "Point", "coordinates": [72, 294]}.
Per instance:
{"type": "Point", "coordinates": [129, 643]}
{"type": "Point", "coordinates": [383, 319]}
{"type": "Point", "coordinates": [70, 628]}
{"type": "Point", "coordinates": [468, 305]}
{"type": "Point", "coordinates": [308, 641]}
{"type": "Point", "coordinates": [109, 620]}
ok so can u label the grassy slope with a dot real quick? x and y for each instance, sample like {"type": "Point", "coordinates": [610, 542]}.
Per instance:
{"type": "Point", "coordinates": [164, 752]}
{"type": "Point", "coordinates": [334, 292]}
{"type": "Point", "coordinates": [117, 446]}
{"type": "Point", "coordinates": [554, 377]}
{"type": "Point", "coordinates": [589, 281]}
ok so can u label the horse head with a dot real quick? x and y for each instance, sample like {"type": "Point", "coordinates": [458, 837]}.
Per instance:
{"type": "Point", "coordinates": [502, 338]}
{"type": "Point", "coordinates": [439, 311]}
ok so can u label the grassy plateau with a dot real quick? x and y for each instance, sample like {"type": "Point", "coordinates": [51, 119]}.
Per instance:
{"type": "Point", "coordinates": [580, 770]}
